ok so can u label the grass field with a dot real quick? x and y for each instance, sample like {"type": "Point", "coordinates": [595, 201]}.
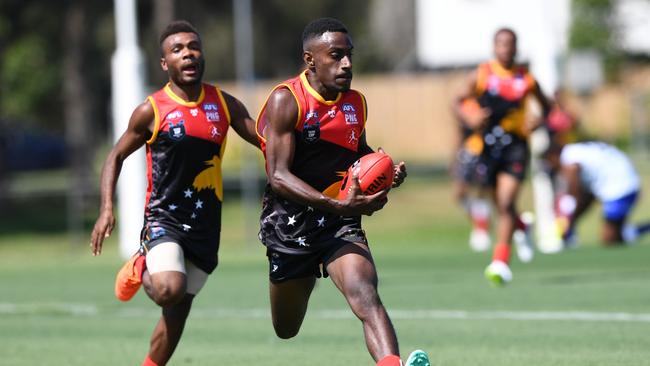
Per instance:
{"type": "Point", "coordinates": [587, 306]}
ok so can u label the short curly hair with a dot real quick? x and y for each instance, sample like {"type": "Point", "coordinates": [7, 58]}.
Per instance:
{"type": "Point", "coordinates": [319, 26]}
{"type": "Point", "coordinates": [177, 26]}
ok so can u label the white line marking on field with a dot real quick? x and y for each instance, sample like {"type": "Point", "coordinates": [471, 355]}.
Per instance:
{"type": "Point", "coordinates": [81, 309]}
{"type": "Point", "coordinates": [48, 308]}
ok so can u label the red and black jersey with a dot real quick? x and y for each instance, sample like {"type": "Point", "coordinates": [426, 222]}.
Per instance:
{"type": "Point", "coordinates": [504, 92]}
{"type": "Point", "coordinates": [326, 137]}
{"type": "Point", "coordinates": [185, 189]}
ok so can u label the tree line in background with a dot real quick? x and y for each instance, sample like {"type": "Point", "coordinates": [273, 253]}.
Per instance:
{"type": "Point", "coordinates": [55, 55]}
{"type": "Point", "coordinates": [55, 61]}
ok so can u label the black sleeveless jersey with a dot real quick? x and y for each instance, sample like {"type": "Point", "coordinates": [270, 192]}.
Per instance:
{"type": "Point", "coordinates": [184, 155]}
{"type": "Point", "coordinates": [326, 144]}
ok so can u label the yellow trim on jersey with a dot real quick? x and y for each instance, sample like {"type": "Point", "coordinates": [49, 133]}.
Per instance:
{"type": "Point", "coordinates": [501, 71]}
{"type": "Point", "coordinates": [223, 102]}
{"type": "Point", "coordinates": [259, 114]}
{"type": "Point", "coordinates": [314, 93]}
{"type": "Point", "coordinates": [531, 81]}
{"type": "Point", "coordinates": [365, 109]}
{"type": "Point", "coordinates": [156, 119]}
{"type": "Point", "coordinates": [223, 146]}
{"type": "Point", "coordinates": [170, 93]}
{"type": "Point", "coordinates": [293, 92]}
{"type": "Point", "coordinates": [481, 78]}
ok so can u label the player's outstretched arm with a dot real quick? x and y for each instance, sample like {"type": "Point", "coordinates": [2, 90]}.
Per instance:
{"type": "Point", "coordinates": [546, 107]}
{"type": "Point", "coordinates": [282, 113]}
{"type": "Point", "coordinates": [240, 120]}
{"type": "Point", "coordinates": [136, 135]}
{"type": "Point", "coordinates": [474, 120]}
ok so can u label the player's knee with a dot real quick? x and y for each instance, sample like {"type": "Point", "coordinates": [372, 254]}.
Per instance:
{"type": "Point", "coordinates": [611, 234]}
{"type": "Point", "coordinates": [167, 294]}
{"type": "Point", "coordinates": [506, 208]}
{"type": "Point", "coordinates": [609, 239]}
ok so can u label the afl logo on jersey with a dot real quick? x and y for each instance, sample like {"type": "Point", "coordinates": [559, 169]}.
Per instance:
{"type": "Point", "coordinates": [211, 112]}
{"type": "Point", "coordinates": [174, 115]}
{"type": "Point", "coordinates": [177, 131]}
{"type": "Point", "coordinates": [350, 114]}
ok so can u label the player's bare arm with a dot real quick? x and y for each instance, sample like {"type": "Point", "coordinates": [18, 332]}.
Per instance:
{"type": "Point", "coordinates": [571, 176]}
{"type": "Point", "coordinates": [240, 120]}
{"type": "Point", "coordinates": [282, 112]}
{"type": "Point", "coordinates": [473, 121]}
{"type": "Point", "coordinates": [546, 108]}
{"type": "Point", "coordinates": [136, 135]}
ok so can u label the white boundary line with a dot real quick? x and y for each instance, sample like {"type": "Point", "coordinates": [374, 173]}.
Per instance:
{"type": "Point", "coordinates": [126, 311]}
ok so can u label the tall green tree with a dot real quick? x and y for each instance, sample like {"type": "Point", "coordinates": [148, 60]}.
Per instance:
{"type": "Point", "coordinates": [593, 27]}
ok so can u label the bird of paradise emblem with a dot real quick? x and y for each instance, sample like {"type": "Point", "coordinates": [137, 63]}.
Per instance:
{"type": "Point", "coordinates": [333, 190]}
{"type": "Point", "coordinates": [210, 177]}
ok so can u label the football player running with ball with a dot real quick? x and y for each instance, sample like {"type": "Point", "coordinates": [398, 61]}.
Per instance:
{"type": "Point", "coordinates": [312, 129]}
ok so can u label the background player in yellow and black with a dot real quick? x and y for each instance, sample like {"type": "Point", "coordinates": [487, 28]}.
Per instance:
{"type": "Point", "coordinates": [184, 127]}
{"type": "Point", "coordinates": [467, 188]}
{"type": "Point", "coordinates": [313, 128]}
{"type": "Point", "coordinates": [502, 87]}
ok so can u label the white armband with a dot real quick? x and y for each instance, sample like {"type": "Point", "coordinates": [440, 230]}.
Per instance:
{"type": "Point", "coordinates": [566, 205]}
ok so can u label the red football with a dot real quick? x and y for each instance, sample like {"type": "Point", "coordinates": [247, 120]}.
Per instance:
{"type": "Point", "coordinates": [375, 172]}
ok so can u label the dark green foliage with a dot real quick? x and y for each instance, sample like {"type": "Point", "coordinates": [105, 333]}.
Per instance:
{"type": "Point", "coordinates": [593, 27]}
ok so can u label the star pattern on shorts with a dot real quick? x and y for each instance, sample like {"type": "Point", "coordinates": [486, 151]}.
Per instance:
{"type": "Point", "coordinates": [172, 207]}
{"type": "Point", "coordinates": [301, 241]}
{"type": "Point", "coordinates": [193, 215]}
{"type": "Point", "coordinates": [186, 227]}
{"type": "Point", "coordinates": [321, 221]}
{"type": "Point", "coordinates": [188, 193]}
{"type": "Point", "coordinates": [198, 204]}
{"type": "Point", "coordinates": [292, 220]}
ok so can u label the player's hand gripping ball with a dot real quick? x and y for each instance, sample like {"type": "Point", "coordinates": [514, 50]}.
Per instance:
{"type": "Point", "coordinates": [375, 172]}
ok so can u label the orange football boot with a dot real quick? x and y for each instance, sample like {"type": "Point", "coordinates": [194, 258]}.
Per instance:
{"type": "Point", "coordinates": [129, 278]}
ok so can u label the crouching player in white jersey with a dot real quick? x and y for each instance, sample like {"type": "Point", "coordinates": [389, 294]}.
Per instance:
{"type": "Point", "coordinates": [596, 171]}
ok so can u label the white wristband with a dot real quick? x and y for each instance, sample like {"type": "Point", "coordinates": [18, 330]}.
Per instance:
{"type": "Point", "coordinates": [566, 205]}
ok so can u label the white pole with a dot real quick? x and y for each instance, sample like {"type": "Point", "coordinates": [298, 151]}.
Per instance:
{"type": "Point", "coordinates": [245, 70]}
{"type": "Point", "coordinates": [127, 80]}
{"type": "Point", "coordinates": [544, 67]}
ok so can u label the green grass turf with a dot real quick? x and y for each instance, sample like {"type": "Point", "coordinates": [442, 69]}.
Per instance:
{"type": "Point", "coordinates": [57, 306]}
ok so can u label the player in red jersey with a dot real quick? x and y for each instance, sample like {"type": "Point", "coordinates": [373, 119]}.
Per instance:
{"type": "Point", "coordinates": [502, 88]}
{"type": "Point", "coordinates": [183, 126]}
{"type": "Point", "coordinates": [312, 128]}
